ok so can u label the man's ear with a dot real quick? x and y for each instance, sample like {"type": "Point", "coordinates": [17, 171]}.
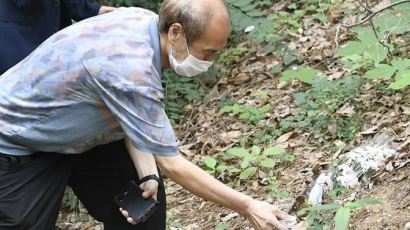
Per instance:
{"type": "Point", "coordinates": [174, 32]}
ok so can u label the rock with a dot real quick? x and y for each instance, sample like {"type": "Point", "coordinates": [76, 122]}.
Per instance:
{"type": "Point", "coordinates": [407, 226]}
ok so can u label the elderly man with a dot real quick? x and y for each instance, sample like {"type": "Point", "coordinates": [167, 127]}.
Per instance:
{"type": "Point", "coordinates": [97, 82]}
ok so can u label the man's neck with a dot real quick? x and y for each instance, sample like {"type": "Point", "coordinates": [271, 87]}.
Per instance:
{"type": "Point", "coordinates": [164, 52]}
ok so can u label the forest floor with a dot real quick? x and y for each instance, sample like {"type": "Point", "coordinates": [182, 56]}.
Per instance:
{"type": "Point", "coordinates": [206, 131]}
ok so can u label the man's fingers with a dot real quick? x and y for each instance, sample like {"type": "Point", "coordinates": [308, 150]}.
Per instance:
{"type": "Point", "coordinates": [148, 194]}
{"type": "Point", "coordinates": [279, 226]}
{"type": "Point", "coordinates": [129, 219]}
{"type": "Point", "coordinates": [281, 214]}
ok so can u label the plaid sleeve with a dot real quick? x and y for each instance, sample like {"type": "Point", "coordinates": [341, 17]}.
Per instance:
{"type": "Point", "coordinates": [134, 95]}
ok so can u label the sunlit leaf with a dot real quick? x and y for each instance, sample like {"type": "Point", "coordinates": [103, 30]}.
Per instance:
{"type": "Point", "coordinates": [210, 162]}
{"type": "Point", "coordinates": [342, 218]}
{"type": "Point", "coordinates": [239, 152]}
{"type": "Point", "coordinates": [268, 163]}
{"type": "Point", "coordinates": [273, 151]}
{"type": "Point", "coordinates": [307, 75]}
{"type": "Point", "coordinates": [381, 71]}
{"type": "Point", "coordinates": [247, 173]}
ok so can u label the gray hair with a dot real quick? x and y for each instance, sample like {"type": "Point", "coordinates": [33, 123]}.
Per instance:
{"type": "Point", "coordinates": [192, 17]}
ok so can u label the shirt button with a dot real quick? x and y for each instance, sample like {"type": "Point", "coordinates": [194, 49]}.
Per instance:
{"type": "Point", "coordinates": [56, 3]}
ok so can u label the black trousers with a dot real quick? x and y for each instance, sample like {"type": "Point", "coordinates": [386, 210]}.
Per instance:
{"type": "Point", "coordinates": [32, 187]}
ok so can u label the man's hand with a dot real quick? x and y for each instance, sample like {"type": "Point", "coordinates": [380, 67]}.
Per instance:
{"type": "Point", "coordinates": [150, 190]}
{"type": "Point", "coordinates": [264, 216]}
{"type": "Point", "coordinates": [105, 9]}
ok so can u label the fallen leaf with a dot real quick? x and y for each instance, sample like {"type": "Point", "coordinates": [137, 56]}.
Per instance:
{"type": "Point", "coordinates": [285, 137]}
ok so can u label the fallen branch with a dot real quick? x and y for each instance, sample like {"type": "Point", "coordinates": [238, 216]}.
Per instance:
{"type": "Point", "coordinates": [371, 13]}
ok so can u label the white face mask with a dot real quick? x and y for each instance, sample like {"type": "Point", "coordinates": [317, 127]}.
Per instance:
{"type": "Point", "coordinates": [191, 66]}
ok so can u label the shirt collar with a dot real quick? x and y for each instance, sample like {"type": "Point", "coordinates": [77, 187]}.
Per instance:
{"type": "Point", "coordinates": [153, 30]}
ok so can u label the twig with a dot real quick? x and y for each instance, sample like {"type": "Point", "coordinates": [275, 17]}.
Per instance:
{"type": "Point", "coordinates": [374, 13]}
{"type": "Point", "coordinates": [365, 6]}
{"type": "Point", "coordinates": [379, 40]}
{"type": "Point", "coordinates": [337, 36]}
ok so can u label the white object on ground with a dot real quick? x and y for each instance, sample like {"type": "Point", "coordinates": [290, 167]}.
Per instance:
{"type": "Point", "coordinates": [362, 160]}
{"type": "Point", "coordinates": [372, 155]}
{"type": "Point", "coordinates": [249, 29]}
{"type": "Point", "coordinates": [322, 184]}
{"type": "Point", "coordinates": [348, 178]}
{"type": "Point", "coordinates": [289, 223]}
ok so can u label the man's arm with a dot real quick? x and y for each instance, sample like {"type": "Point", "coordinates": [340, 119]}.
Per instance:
{"type": "Point", "coordinates": [145, 165]}
{"type": "Point", "coordinates": [261, 214]}
{"type": "Point", "coordinates": [143, 162]}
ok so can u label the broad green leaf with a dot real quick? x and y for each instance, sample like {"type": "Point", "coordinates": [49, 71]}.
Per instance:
{"type": "Point", "coordinates": [394, 22]}
{"type": "Point", "coordinates": [221, 167]}
{"type": "Point", "coordinates": [400, 84]}
{"type": "Point", "coordinates": [250, 158]}
{"type": "Point", "coordinates": [402, 76]}
{"type": "Point", "coordinates": [401, 64]}
{"type": "Point", "coordinates": [268, 163]}
{"type": "Point", "coordinates": [342, 218]}
{"type": "Point", "coordinates": [323, 207]}
{"type": "Point", "coordinates": [381, 71]}
{"type": "Point", "coordinates": [293, 6]}
{"type": "Point", "coordinates": [288, 157]}
{"type": "Point", "coordinates": [242, 3]}
{"type": "Point", "coordinates": [226, 109]}
{"type": "Point", "coordinates": [255, 13]}
{"type": "Point", "coordinates": [247, 173]}
{"type": "Point", "coordinates": [361, 203]}
{"type": "Point", "coordinates": [256, 150]}
{"type": "Point", "coordinates": [366, 36]}
{"type": "Point", "coordinates": [235, 109]}
{"type": "Point", "coordinates": [274, 151]}
{"type": "Point", "coordinates": [300, 98]}
{"type": "Point", "coordinates": [306, 75]}
{"type": "Point", "coordinates": [265, 109]}
{"type": "Point", "coordinates": [377, 52]}
{"type": "Point", "coordinates": [239, 152]}
{"type": "Point", "coordinates": [351, 48]}
{"type": "Point", "coordinates": [244, 164]}
{"type": "Point", "coordinates": [247, 8]}
{"type": "Point", "coordinates": [223, 226]}
{"type": "Point", "coordinates": [233, 170]}
{"type": "Point", "coordinates": [210, 162]}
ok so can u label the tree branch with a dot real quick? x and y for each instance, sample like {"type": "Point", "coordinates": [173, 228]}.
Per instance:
{"type": "Point", "coordinates": [371, 13]}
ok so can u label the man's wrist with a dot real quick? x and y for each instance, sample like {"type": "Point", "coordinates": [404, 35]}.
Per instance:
{"type": "Point", "coordinates": [247, 206]}
{"type": "Point", "coordinates": [150, 177]}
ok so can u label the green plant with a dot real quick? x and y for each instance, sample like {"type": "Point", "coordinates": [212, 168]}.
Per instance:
{"type": "Point", "coordinates": [249, 13]}
{"type": "Point", "coordinates": [252, 161]}
{"type": "Point", "coordinates": [172, 223]}
{"type": "Point", "coordinates": [249, 161]}
{"type": "Point", "coordinates": [247, 112]}
{"type": "Point", "coordinates": [274, 190]}
{"type": "Point", "coordinates": [333, 216]}
{"type": "Point", "coordinates": [70, 200]}
{"type": "Point", "coordinates": [374, 52]}
{"type": "Point", "coordinates": [179, 91]}
{"type": "Point", "coordinates": [400, 68]}
{"type": "Point", "coordinates": [233, 55]}
{"type": "Point", "coordinates": [319, 109]}
{"type": "Point", "coordinates": [307, 75]}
